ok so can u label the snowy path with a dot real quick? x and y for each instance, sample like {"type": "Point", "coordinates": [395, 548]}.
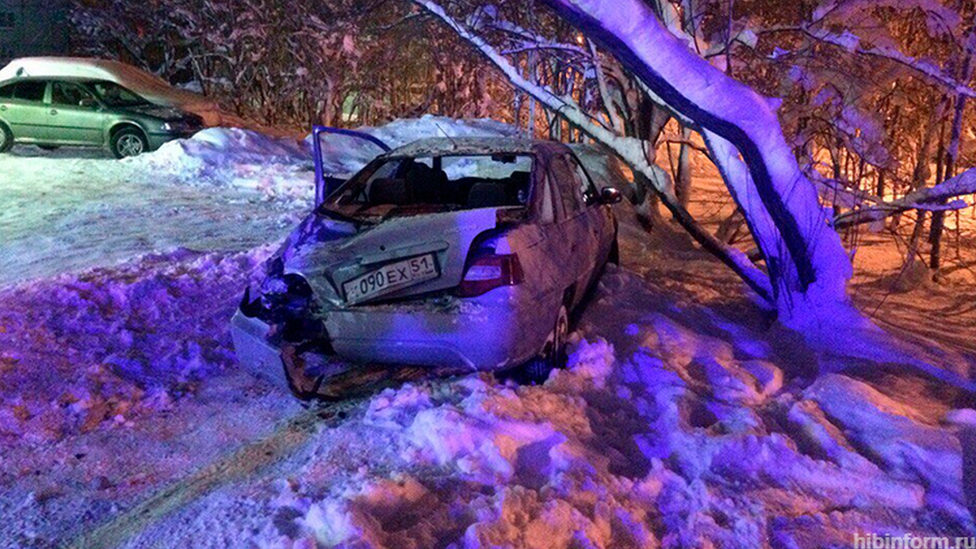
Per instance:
{"type": "Point", "coordinates": [67, 211]}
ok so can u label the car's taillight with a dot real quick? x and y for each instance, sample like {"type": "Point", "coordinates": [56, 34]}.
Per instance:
{"type": "Point", "coordinates": [488, 272]}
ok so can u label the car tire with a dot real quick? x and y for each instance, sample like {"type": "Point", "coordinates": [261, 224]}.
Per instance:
{"type": "Point", "coordinates": [6, 138]}
{"type": "Point", "coordinates": [129, 142]}
{"type": "Point", "coordinates": [536, 371]}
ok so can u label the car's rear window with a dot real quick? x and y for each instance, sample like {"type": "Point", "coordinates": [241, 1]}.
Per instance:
{"type": "Point", "coordinates": [30, 91]}
{"type": "Point", "coordinates": [416, 185]}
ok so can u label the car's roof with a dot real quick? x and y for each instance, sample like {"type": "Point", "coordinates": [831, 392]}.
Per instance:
{"type": "Point", "coordinates": [78, 79]}
{"type": "Point", "coordinates": [444, 146]}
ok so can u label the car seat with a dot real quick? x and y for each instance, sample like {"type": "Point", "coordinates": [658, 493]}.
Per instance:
{"type": "Point", "coordinates": [488, 194]}
{"type": "Point", "coordinates": [427, 184]}
{"type": "Point", "coordinates": [390, 191]}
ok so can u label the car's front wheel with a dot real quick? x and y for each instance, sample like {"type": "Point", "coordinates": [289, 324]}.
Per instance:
{"type": "Point", "coordinates": [536, 371]}
{"type": "Point", "coordinates": [6, 138]}
{"type": "Point", "coordinates": [129, 142]}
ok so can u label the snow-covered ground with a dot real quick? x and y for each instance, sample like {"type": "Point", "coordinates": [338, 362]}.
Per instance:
{"type": "Point", "coordinates": [66, 211]}
{"type": "Point", "coordinates": [683, 418]}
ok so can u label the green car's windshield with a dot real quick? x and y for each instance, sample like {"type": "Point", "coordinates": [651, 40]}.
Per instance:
{"type": "Point", "coordinates": [115, 95]}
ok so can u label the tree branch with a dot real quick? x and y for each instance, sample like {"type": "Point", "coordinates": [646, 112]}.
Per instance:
{"type": "Point", "coordinates": [928, 199]}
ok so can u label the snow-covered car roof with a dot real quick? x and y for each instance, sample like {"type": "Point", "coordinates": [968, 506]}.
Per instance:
{"type": "Point", "coordinates": [78, 79]}
{"type": "Point", "coordinates": [437, 146]}
{"type": "Point", "coordinates": [147, 85]}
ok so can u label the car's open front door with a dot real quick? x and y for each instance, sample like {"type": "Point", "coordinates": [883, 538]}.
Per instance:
{"type": "Point", "coordinates": [327, 179]}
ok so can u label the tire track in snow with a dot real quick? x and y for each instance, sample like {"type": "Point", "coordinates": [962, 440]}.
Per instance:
{"type": "Point", "coordinates": [239, 465]}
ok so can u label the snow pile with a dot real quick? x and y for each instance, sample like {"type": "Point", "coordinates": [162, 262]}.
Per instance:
{"type": "Point", "coordinates": [278, 168]}
{"type": "Point", "coordinates": [127, 340]}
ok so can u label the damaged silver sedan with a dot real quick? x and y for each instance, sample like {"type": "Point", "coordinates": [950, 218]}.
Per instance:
{"type": "Point", "coordinates": [464, 254]}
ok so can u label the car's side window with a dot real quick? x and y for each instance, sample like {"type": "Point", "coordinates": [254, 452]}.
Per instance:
{"type": "Point", "coordinates": [6, 92]}
{"type": "Point", "coordinates": [70, 95]}
{"type": "Point", "coordinates": [564, 179]}
{"type": "Point", "coordinates": [586, 189]}
{"type": "Point", "coordinates": [32, 91]}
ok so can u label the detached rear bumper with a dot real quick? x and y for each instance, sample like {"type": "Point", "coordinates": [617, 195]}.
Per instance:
{"type": "Point", "coordinates": [253, 350]}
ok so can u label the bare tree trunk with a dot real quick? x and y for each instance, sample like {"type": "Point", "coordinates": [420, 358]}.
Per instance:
{"type": "Point", "coordinates": [938, 217]}
{"type": "Point", "coordinates": [682, 184]}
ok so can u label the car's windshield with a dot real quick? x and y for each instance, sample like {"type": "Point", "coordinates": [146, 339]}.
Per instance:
{"type": "Point", "coordinates": [115, 95]}
{"type": "Point", "coordinates": [417, 185]}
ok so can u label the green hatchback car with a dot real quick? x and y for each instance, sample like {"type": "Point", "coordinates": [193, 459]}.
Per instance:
{"type": "Point", "coordinates": [59, 112]}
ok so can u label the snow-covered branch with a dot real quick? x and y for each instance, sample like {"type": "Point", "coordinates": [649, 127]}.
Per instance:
{"type": "Point", "coordinates": [941, 197]}
{"type": "Point", "coordinates": [852, 43]}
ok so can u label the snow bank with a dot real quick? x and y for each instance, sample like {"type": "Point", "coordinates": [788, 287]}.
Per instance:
{"type": "Point", "coordinates": [129, 338]}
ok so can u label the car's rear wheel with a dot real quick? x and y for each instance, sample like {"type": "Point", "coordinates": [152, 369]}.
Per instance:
{"type": "Point", "coordinates": [129, 142]}
{"type": "Point", "coordinates": [536, 371]}
{"type": "Point", "coordinates": [6, 138]}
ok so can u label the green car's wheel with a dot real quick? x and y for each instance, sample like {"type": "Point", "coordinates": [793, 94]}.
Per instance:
{"type": "Point", "coordinates": [129, 142]}
{"type": "Point", "coordinates": [6, 138]}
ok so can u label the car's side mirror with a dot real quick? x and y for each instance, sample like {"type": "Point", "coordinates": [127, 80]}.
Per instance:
{"type": "Point", "coordinates": [610, 195]}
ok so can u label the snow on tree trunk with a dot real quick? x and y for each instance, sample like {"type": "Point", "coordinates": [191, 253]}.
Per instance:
{"type": "Point", "coordinates": [807, 264]}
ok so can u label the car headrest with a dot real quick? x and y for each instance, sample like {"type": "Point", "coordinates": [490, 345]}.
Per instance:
{"type": "Point", "coordinates": [389, 191]}
{"type": "Point", "coordinates": [487, 194]}
{"type": "Point", "coordinates": [427, 184]}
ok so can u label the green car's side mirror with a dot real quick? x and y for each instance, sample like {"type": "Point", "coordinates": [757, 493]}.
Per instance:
{"type": "Point", "coordinates": [610, 195]}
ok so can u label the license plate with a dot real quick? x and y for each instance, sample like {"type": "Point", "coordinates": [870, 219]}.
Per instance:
{"type": "Point", "coordinates": [390, 278]}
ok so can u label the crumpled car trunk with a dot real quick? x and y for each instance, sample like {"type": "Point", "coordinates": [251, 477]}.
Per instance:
{"type": "Point", "coordinates": [328, 253]}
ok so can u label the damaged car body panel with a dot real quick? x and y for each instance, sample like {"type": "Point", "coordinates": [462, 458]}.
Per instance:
{"type": "Point", "coordinates": [453, 253]}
